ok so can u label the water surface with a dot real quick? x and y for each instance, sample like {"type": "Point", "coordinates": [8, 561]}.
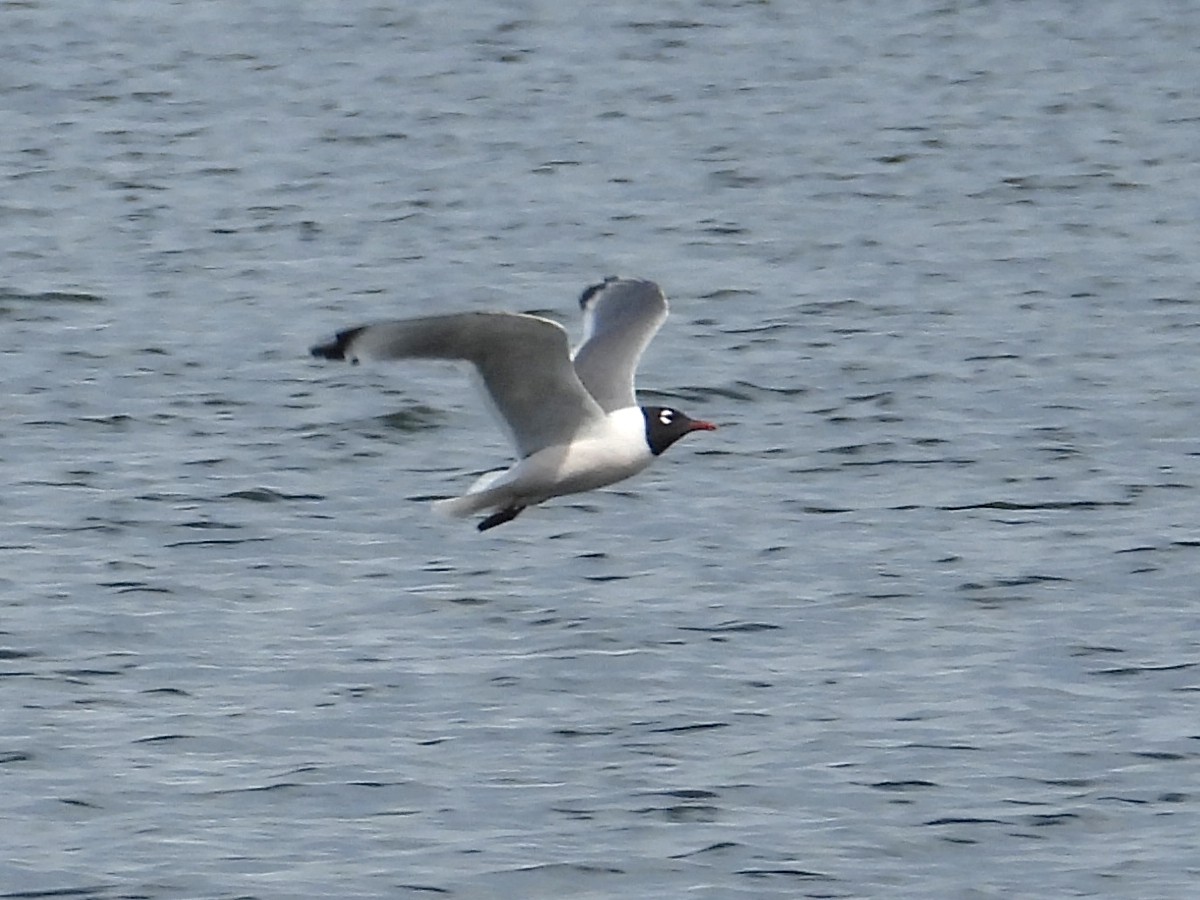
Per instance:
{"type": "Point", "coordinates": [919, 620]}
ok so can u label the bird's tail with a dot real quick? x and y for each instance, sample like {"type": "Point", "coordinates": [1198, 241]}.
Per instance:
{"type": "Point", "coordinates": [457, 507]}
{"type": "Point", "coordinates": [477, 499]}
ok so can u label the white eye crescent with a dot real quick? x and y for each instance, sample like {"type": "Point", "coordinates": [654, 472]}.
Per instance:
{"type": "Point", "coordinates": [666, 417]}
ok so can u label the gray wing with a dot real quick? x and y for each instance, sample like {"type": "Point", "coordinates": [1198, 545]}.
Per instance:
{"type": "Point", "coordinates": [524, 362]}
{"type": "Point", "coordinates": [620, 316]}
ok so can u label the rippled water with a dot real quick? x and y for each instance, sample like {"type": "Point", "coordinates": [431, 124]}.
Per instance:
{"type": "Point", "coordinates": [920, 620]}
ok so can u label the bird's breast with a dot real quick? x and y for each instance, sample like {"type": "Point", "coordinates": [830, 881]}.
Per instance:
{"type": "Point", "coordinates": [611, 451]}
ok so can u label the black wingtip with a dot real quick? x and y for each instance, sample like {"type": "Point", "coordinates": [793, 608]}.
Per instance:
{"type": "Point", "coordinates": [336, 349]}
{"type": "Point", "coordinates": [328, 351]}
{"type": "Point", "coordinates": [593, 289]}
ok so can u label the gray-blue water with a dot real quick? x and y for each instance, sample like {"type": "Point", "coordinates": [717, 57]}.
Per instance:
{"type": "Point", "coordinates": [920, 620]}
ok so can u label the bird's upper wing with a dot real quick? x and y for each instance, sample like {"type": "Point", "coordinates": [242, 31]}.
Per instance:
{"type": "Point", "coordinates": [524, 362]}
{"type": "Point", "coordinates": [620, 316]}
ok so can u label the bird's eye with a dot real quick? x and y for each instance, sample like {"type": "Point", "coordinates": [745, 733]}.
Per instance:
{"type": "Point", "coordinates": [666, 417]}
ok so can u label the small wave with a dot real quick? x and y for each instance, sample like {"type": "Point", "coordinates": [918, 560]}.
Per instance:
{"type": "Point", "coordinates": [48, 297]}
{"type": "Point", "coordinates": [268, 495]}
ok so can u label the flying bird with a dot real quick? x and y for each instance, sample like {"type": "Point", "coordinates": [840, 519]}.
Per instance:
{"type": "Point", "coordinates": [573, 418]}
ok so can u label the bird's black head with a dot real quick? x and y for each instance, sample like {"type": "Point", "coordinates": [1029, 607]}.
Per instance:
{"type": "Point", "coordinates": [664, 426]}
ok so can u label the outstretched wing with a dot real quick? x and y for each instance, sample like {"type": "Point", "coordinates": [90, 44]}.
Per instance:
{"type": "Point", "coordinates": [524, 362]}
{"type": "Point", "coordinates": [620, 316]}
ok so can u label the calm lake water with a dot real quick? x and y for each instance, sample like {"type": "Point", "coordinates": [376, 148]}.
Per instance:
{"type": "Point", "coordinates": [919, 621]}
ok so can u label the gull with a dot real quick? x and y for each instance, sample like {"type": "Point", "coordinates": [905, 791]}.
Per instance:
{"type": "Point", "coordinates": [573, 418]}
